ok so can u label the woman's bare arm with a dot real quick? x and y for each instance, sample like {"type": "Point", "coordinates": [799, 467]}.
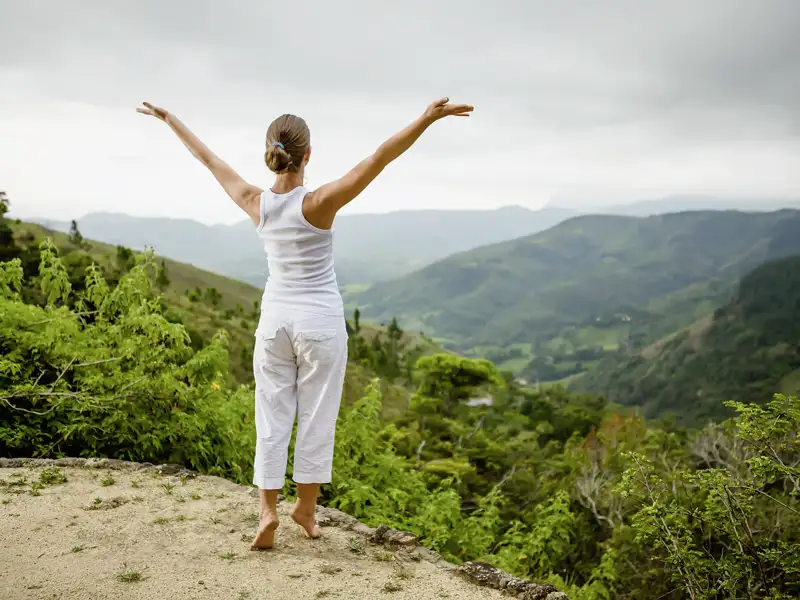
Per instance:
{"type": "Point", "coordinates": [247, 196]}
{"type": "Point", "coordinates": [321, 205]}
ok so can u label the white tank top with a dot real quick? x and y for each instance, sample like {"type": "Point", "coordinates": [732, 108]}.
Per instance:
{"type": "Point", "coordinates": [299, 255]}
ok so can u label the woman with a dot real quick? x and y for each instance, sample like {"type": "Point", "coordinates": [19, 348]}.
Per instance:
{"type": "Point", "coordinates": [301, 342]}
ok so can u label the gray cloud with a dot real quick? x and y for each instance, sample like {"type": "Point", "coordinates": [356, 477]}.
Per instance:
{"type": "Point", "coordinates": [649, 97]}
{"type": "Point", "coordinates": [570, 63]}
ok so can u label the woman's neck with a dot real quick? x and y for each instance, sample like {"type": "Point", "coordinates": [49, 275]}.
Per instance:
{"type": "Point", "coordinates": [287, 182]}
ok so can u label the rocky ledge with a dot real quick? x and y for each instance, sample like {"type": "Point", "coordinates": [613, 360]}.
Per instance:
{"type": "Point", "coordinates": [402, 542]}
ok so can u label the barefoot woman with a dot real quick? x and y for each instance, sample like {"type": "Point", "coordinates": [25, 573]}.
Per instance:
{"type": "Point", "coordinates": [301, 342]}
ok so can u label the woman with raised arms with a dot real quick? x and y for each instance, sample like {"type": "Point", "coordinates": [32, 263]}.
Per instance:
{"type": "Point", "coordinates": [301, 341]}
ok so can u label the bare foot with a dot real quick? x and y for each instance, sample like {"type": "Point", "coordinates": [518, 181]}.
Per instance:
{"type": "Point", "coordinates": [307, 522]}
{"type": "Point", "coordinates": [265, 538]}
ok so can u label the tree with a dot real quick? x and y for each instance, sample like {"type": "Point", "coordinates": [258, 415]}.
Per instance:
{"type": "Point", "coordinates": [213, 296]}
{"type": "Point", "coordinates": [8, 247]}
{"type": "Point", "coordinates": [451, 379]}
{"type": "Point", "coordinates": [75, 237]}
{"type": "Point", "coordinates": [162, 280]}
{"type": "Point", "coordinates": [394, 331]}
{"type": "Point", "coordinates": [125, 260]}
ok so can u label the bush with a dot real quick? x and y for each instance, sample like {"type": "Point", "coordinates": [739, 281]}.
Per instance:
{"type": "Point", "coordinates": [103, 373]}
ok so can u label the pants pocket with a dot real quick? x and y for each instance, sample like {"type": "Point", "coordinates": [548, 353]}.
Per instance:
{"type": "Point", "coordinates": [319, 346]}
{"type": "Point", "coordinates": [265, 346]}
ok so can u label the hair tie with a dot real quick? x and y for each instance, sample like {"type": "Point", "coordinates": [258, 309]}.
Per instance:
{"type": "Point", "coordinates": [279, 145]}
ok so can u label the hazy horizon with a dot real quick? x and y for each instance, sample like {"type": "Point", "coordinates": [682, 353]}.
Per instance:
{"type": "Point", "coordinates": [772, 204]}
{"type": "Point", "coordinates": [576, 105]}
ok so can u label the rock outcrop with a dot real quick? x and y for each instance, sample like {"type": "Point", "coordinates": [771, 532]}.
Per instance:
{"type": "Point", "coordinates": [116, 529]}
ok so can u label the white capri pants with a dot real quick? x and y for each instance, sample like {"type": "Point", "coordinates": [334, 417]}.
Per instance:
{"type": "Point", "coordinates": [299, 364]}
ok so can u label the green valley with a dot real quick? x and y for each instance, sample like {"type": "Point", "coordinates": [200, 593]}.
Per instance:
{"type": "Point", "coordinates": [551, 305]}
{"type": "Point", "coordinates": [744, 351]}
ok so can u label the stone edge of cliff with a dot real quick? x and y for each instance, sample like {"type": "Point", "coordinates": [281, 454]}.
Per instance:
{"type": "Point", "coordinates": [479, 573]}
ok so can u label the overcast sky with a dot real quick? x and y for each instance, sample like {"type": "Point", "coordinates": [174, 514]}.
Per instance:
{"type": "Point", "coordinates": [590, 102]}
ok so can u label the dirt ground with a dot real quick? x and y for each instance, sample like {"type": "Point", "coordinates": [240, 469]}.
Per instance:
{"type": "Point", "coordinates": [111, 533]}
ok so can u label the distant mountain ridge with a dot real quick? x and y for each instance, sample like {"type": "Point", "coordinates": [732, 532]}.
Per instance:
{"type": "Point", "coordinates": [368, 247]}
{"type": "Point", "coordinates": [695, 202]}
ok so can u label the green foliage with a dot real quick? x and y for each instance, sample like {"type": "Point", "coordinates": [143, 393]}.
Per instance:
{"type": "Point", "coordinates": [734, 528]}
{"type": "Point", "coordinates": [543, 545]}
{"type": "Point", "coordinates": [748, 350]}
{"type": "Point", "coordinates": [162, 281]}
{"type": "Point", "coordinates": [388, 352]}
{"type": "Point", "coordinates": [625, 511]}
{"type": "Point", "coordinates": [213, 297]}
{"type": "Point", "coordinates": [52, 476]}
{"type": "Point", "coordinates": [124, 259]}
{"type": "Point", "coordinates": [8, 248]}
{"type": "Point", "coordinates": [548, 485]}
{"type": "Point", "coordinates": [453, 378]}
{"type": "Point", "coordinates": [75, 237]}
{"type": "Point", "coordinates": [53, 276]}
{"type": "Point", "coordinates": [112, 377]}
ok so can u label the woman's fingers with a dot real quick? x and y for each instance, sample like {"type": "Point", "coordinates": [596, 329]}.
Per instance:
{"type": "Point", "coordinates": [459, 110]}
{"type": "Point", "coordinates": [155, 111]}
{"type": "Point", "coordinates": [442, 108]}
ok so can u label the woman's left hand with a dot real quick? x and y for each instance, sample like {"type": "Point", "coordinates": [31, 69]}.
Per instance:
{"type": "Point", "coordinates": [153, 111]}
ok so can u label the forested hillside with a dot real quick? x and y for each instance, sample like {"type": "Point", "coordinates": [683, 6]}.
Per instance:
{"type": "Point", "coordinates": [744, 351]}
{"type": "Point", "coordinates": [547, 485]}
{"type": "Point", "coordinates": [552, 304]}
{"type": "Point", "coordinates": [204, 303]}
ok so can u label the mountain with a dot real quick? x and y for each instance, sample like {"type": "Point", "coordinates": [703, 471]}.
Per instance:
{"type": "Point", "coordinates": [591, 282]}
{"type": "Point", "coordinates": [746, 351]}
{"type": "Point", "coordinates": [368, 247]}
{"type": "Point", "coordinates": [682, 203]}
{"type": "Point", "coordinates": [228, 250]}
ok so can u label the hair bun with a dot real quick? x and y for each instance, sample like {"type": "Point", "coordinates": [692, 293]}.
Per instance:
{"type": "Point", "coordinates": [288, 140]}
{"type": "Point", "coordinates": [277, 159]}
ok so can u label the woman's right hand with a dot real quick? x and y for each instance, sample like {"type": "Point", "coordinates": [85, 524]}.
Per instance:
{"type": "Point", "coordinates": [442, 108]}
